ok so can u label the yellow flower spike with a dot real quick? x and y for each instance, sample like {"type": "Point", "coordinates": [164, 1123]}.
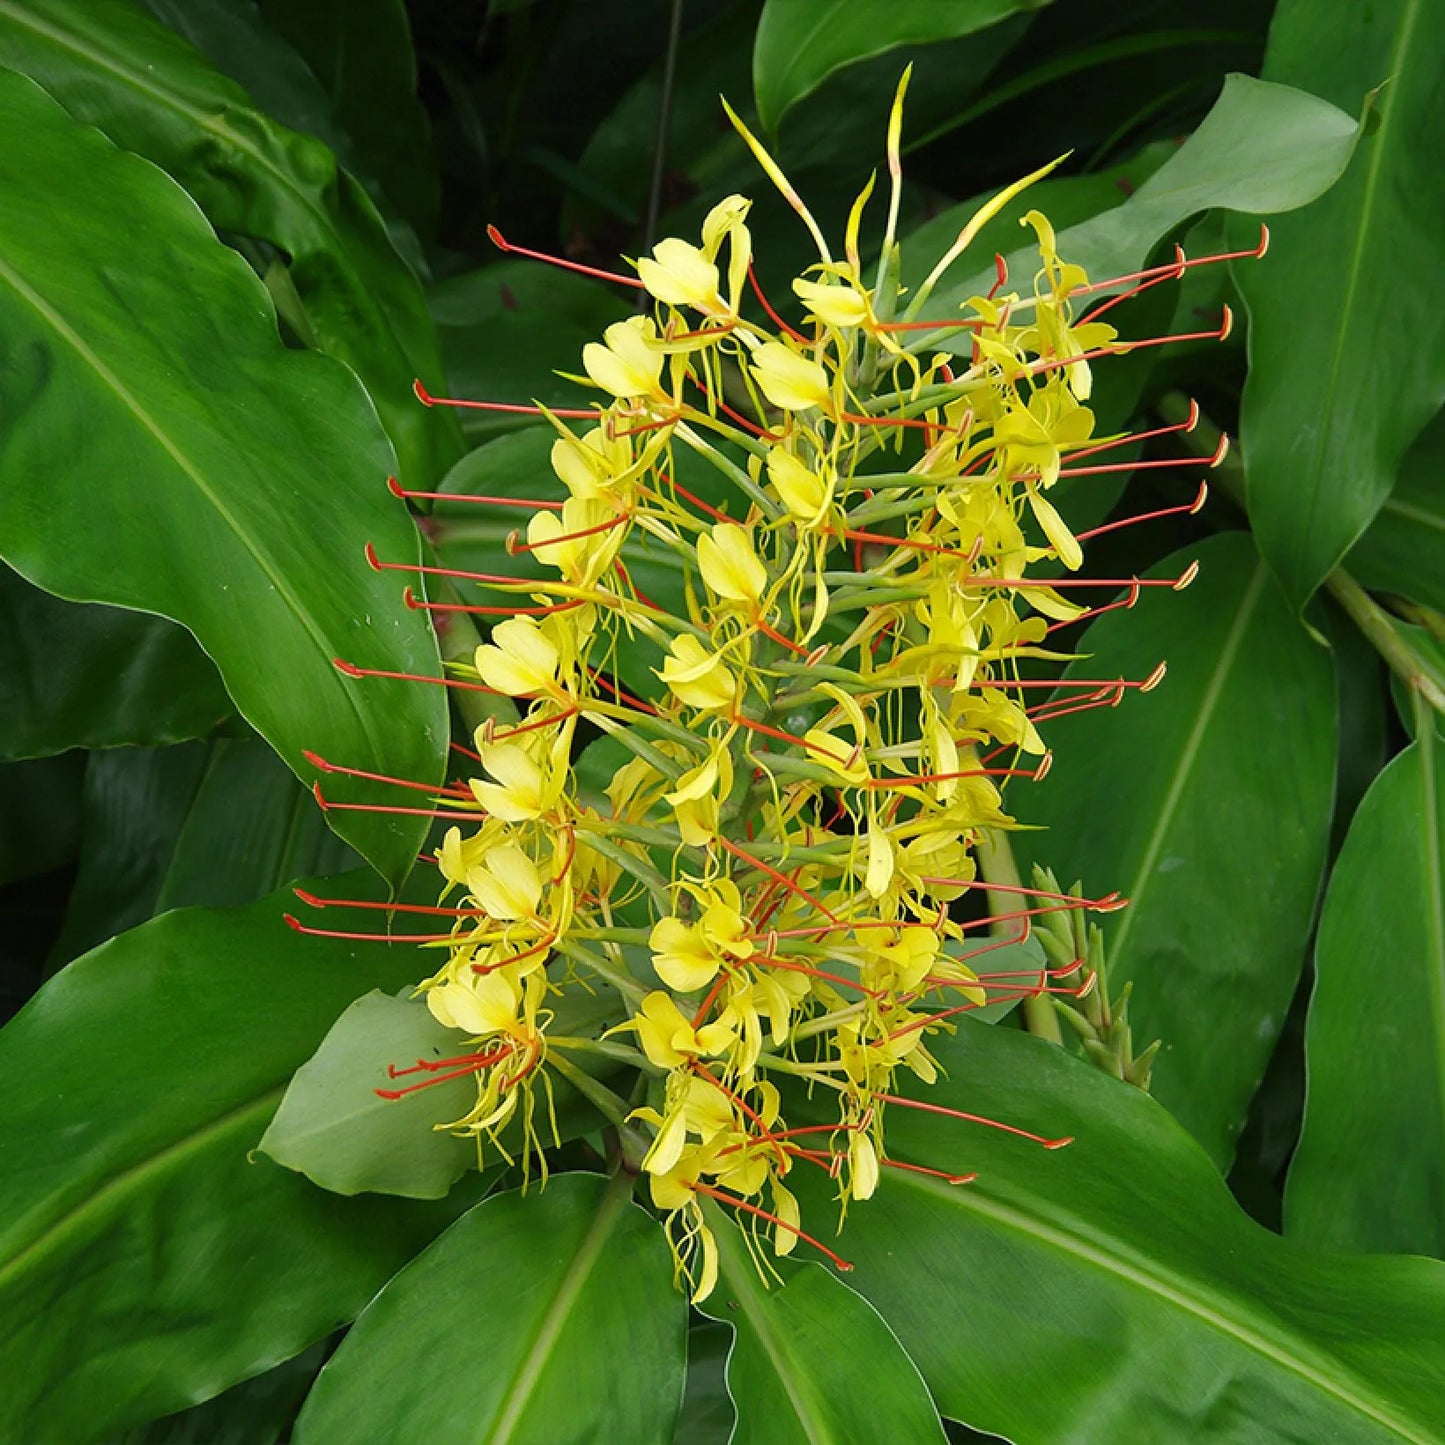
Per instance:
{"type": "Point", "coordinates": [629, 365]}
{"type": "Point", "coordinates": [849, 653]}
{"type": "Point", "coordinates": [697, 677]}
{"type": "Point", "coordinates": [521, 660]}
{"type": "Point", "coordinates": [507, 884]}
{"type": "Point", "coordinates": [729, 565]}
{"type": "Point", "coordinates": [788, 380]}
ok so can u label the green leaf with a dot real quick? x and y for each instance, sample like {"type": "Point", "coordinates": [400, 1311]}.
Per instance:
{"type": "Point", "coordinates": [562, 1306]}
{"type": "Point", "coordinates": [258, 1411]}
{"type": "Point", "coordinates": [1401, 551]}
{"type": "Point", "coordinates": [164, 451]}
{"type": "Point", "coordinates": [97, 677]}
{"type": "Point", "coordinates": [361, 52]}
{"type": "Point", "coordinates": [1207, 804]}
{"type": "Point", "coordinates": [333, 1127]}
{"type": "Point", "coordinates": [1262, 149]}
{"type": "Point", "coordinates": [1369, 1171]}
{"type": "Point", "coordinates": [811, 1360]}
{"type": "Point", "coordinates": [1112, 1290]}
{"type": "Point", "coordinates": [799, 46]}
{"type": "Point", "coordinates": [132, 809]}
{"type": "Point", "coordinates": [114, 66]}
{"type": "Point", "coordinates": [146, 1260]}
{"type": "Point", "coordinates": [707, 1415]}
{"type": "Point", "coordinates": [1343, 371]}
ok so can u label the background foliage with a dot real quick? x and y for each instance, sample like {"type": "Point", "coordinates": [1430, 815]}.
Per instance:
{"type": "Point", "coordinates": [233, 233]}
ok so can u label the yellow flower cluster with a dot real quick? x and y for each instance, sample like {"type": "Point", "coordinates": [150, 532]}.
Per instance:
{"type": "Point", "coordinates": [774, 886]}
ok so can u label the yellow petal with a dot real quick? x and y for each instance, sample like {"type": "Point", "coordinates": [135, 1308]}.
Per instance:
{"type": "Point", "coordinates": [839, 306]}
{"type": "Point", "coordinates": [507, 885]}
{"type": "Point", "coordinates": [729, 565]}
{"type": "Point", "coordinates": [628, 365]}
{"type": "Point", "coordinates": [680, 275]}
{"type": "Point", "coordinates": [788, 380]}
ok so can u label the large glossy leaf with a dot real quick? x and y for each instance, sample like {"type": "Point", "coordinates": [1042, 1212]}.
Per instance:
{"type": "Point", "coordinates": [147, 1260]}
{"type": "Point", "coordinates": [1262, 149]}
{"type": "Point", "coordinates": [1113, 1290]}
{"type": "Point", "coordinates": [97, 677]}
{"type": "Point", "coordinates": [539, 1319]}
{"type": "Point", "coordinates": [797, 1367]}
{"type": "Point", "coordinates": [164, 451]}
{"type": "Point", "coordinates": [361, 52]}
{"type": "Point", "coordinates": [39, 815]}
{"type": "Point", "coordinates": [1207, 804]}
{"type": "Point", "coordinates": [1369, 1172]}
{"type": "Point", "coordinates": [115, 66]}
{"type": "Point", "coordinates": [1342, 376]}
{"type": "Point", "coordinates": [1402, 550]}
{"type": "Point", "coordinates": [198, 825]}
{"type": "Point", "coordinates": [799, 46]}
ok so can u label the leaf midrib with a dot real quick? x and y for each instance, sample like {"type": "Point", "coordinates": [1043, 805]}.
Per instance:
{"type": "Point", "coordinates": [775, 1349]}
{"type": "Point", "coordinates": [1345, 311]}
{"type": "Point", "coordinates": [263, 1105]}
{"type": "Point", "coordinates": [62, 328]}
{"type": "Point", "coordinates": [554, 1317]}
{"type": "Point", "coordinates": [1209, 702]}
{"type": "Point", "coordinates": [1204, 1306]}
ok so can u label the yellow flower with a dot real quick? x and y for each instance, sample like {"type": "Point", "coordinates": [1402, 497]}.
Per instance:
{"type": "Point", "coordinates": [681, 275]}
{"type": "Point", "coordinates": [697, 676]}
{"type": "Point", "coordinates": [669, 1040]}
{"type": "Point", "coordinates": [788, 380]}
{"type": "Point", "coordinates": [838, 306]}
{"type": "Point", "coordinates": [507, 884]}
{"type": "Point", "coordinates": [804, 493]}
{"type": "Point", "coordinates": [729, 565]}
{"type": "Point", "coordinates": [521, 660]}
{"type": "Point", "coordinates": [629, 365]}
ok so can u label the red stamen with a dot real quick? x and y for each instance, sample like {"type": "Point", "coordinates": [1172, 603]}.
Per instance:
{"type": "Point", "coordinates": [791, 965]}
{"type": "Point", "coordinates": [427, 399]}
{"type": "Point", "coordinates": [1109, 903]}
{"type": "Point", "coordinates": [972, 1119]}
{"type": "Point", "coordinates": [541, 946]}
{"type": "Point", "coordinates": [777, 877]}
{"type": "Point", "coordinates": [1126, 603]}
{"type": "Point", "coordinates": [773, 315]}
{"type": "Point", "coordinates": [432, 1066]}
{"type": "Point", "coordinates": [352, 670]}
{"type": "Point", "coordinates": [461, 1073]}
{"type": "Point", "coordinates": [1191, 508]}
{"type": "Point", "coordinates": [1220, 452]}
{"type": "Point", "coordinates": [1034, 774]}
{"type": "Point", "coordinates": [697, 501]}
{"type": "Point", "coordinates": [1177, 584]}
{"type": "Point", "coordinates": [1186, 425]}
{"type": "Point", "coordinates": [430, 909]}
{"type": "Point", "coordinates": [397, 490]}
{"type": "Point", "coordinates": [1123, 348]}
{"type": "Point", "coordinates": [293, 922]}
{"type": "Point", "coordinates": [1144, 684]}
{"type": "Point", "coordinates": [620, 694]}
{"type": "Point", "coordinates": [723, 1198]}
{"type": "Point", "coordinates": [533, 725]}
{"type": "Point", "coordinates": [514, 546]}
{"type": "Point", "coordinates": [778, 637]}
{"type": "Point", "coordinates": [317, 761]}
{"type": "Point", "coordinates": [327, 806]}
{"type": "Point", "coordinates": [502, 244]}
{"type": "Point", "coordinates": [377, 565]}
